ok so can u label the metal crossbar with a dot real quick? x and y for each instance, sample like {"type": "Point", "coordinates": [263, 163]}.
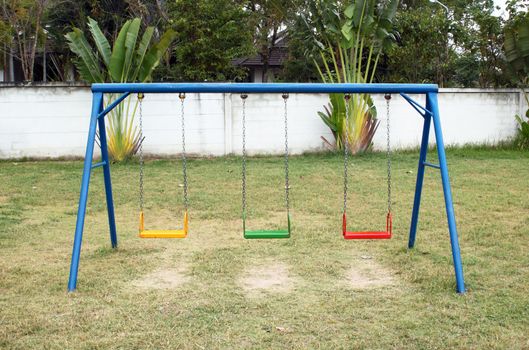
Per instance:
{"type": "Point", "coordinates": [280, 88]}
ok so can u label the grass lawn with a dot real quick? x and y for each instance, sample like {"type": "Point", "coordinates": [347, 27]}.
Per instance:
{"type": "Point", "coordinates": [315, 290]}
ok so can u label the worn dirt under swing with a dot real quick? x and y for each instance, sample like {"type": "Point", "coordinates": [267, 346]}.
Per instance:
{"type": "Point", "coordinates": [429, 113]}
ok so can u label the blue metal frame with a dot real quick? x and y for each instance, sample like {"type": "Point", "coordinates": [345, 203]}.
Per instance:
{"type": "Point", "coordinates": [430, 113]}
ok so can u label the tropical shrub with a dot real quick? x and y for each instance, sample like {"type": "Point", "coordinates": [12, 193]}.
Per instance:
{"type": "Point", "coordinates": [522, 135]}
{"type": "Point", "coordinates": [348, 41]}
{"type": "Point", "coordinates": [131, 60]}
{"type": "Point", "coordinates": [516, 47]}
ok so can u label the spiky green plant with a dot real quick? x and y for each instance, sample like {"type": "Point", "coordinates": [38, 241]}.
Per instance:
{"type": "Point", "coordinates": [349, 41]}
{"type": "Point", "coordinates": [131, 60]}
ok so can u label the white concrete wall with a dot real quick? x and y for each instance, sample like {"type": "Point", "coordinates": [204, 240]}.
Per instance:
{"type": "Point", "coordinates": [52, 121]}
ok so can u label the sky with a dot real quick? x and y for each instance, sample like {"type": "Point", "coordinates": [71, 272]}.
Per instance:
{"type": "Point", "coordinates": [500, 3]}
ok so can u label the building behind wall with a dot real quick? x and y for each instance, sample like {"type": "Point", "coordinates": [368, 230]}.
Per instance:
{"type": "Point", "coordinates": [278, 53]}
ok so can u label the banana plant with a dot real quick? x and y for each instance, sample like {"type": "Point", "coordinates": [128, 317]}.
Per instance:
{"type": "Point", "coordinates": [131, 59]}
{"type": "Point", "coordinates": [349, 41]}
{"type": "Point", "coordinates": [516, 47]}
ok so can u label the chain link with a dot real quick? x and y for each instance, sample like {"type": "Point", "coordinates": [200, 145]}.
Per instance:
{"type": "Point", "coordinates": [182, 97]}
{"type": "Point", "coordinates": [347, 98]}
{"type": "Point", "coordinates": [287, 185]}
{"type": "Point", "coordinates": [140, 99]}
{"type": "Point", "coordinates": [244, 97]}
{"type": "Point", "coordinates": [388, 148]}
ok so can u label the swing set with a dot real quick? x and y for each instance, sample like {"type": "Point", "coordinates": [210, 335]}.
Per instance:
{"type": "Point", "coordinates": [429, 112]}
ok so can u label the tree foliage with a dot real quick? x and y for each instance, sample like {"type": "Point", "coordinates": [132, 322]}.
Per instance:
{"type": "Point", "coordinates": [460, 47]}
{"type": "Point", "coordinates": [268, 19]}
{"type": "Point", "coordinates": [21, 31]}
{"type": "Point", "coordinates": [210, 34]}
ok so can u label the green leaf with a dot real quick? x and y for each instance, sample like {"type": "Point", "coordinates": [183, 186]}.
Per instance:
{"type": "Point", "coordinates": [516, 47]}
{"type": "Point", "coordinates": [360, 7]}
{"type": "Point", "coordinates": [101, 42]}
{"type": "Point", "coordinates": [130, 45]}
{"type": "Point", "coordinates": [153, 56]}
{"type": "Point", "coordinates": [142, 50]}
{"type": "Point", "coordinates": [349, 11]}
{"type": "Point", "coordinates": [88, 63]}
{"type": "Point", "coordinates": [390, 11]}
{"type": "Point", "coordinates": [347, 32]}
{"type": "Point", "coordinates": [117, 59]}
{"type": "Point", "coordinates": [523, 37]}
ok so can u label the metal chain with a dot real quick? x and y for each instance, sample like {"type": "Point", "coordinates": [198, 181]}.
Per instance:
{"type": "Point", "coordinates": [140, 99]}
{"type": "Point", "coordinates": [287, 185]}
{"type": "Point", "coordinates": [244, 97]}
{"type": "Point", "coordinates": [182, 97]}
{"type": "Point", "coordinates": [347, 98]}
{"type": "Point", "coordinates": [388, 149]}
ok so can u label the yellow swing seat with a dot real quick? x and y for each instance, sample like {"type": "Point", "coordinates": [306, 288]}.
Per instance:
{"type": "Point", "coordinates": [182, 233]}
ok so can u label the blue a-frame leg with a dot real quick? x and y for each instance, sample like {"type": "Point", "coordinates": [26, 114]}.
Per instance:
{"type": "Point", "coordinates": [432, 113]}
{"type": "Point", "coordinates": [97, 119]}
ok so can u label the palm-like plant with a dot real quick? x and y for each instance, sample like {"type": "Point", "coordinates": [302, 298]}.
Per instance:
{"type": "Point", "coordinates": [131, 60]}
{"type": "Point", "coordinates": [349, 42]}
{"type": "Point", "coordinates": [516, 47]}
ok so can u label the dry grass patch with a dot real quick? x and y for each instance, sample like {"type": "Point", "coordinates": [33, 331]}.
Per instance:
{"type": "Point", "coordinates": [3, 199]}
{"type": "Point", "coordinates": [366, 273]}
{"type": "Point", "coordinates": [267, 278]}
{"type": "Point", "coordinates": [163, 279]}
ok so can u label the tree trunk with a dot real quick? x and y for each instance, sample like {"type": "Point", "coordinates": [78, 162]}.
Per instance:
{"type": "Point", "coordinates": [268, 50]}
{"type": "Point", "coordinates": [33, 51]}
{"type": "Point", "coordinates": [44, 70]}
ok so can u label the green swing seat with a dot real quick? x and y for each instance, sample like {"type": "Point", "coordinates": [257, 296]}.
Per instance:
{"type": "Point", "coordinates": [265, 234]}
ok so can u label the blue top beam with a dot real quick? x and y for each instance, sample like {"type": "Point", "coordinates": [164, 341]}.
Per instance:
{"type": "Point", "coordinates": [264, 88]}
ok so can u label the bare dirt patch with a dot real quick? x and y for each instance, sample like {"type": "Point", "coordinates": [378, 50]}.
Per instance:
{"type": "Point", "coordinates": [4, 199]}
{"type": "Point", "coordinates": [269, 277]}
{"type": "Point", "coordinates": [366, 273]}
{"type": "Point", "coordinates": [162, 279]}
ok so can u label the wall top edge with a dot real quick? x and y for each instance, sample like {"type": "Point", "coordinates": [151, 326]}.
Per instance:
{"type": "Point", "coordinates": [23, 85]}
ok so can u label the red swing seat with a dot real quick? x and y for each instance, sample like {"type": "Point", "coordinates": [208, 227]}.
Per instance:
{"type": "Point", "coordinates": [368, 234]}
